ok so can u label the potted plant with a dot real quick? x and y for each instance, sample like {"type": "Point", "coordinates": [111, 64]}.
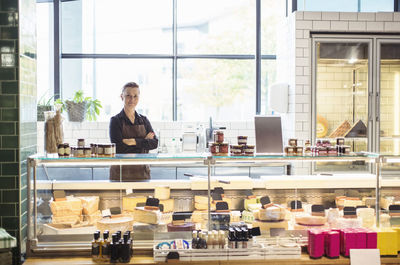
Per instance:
{"type": "Point", "coordinates": [44, 105]}
{"type": "Point", "coordinates": [80, 107]}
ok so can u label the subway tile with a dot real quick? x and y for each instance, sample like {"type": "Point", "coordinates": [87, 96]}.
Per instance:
{"type": "Point", "coordinates": [302, 43]}
{"type": "Point", "coordinates": [321, 25]}
{"type": "Point", "coordinates": [24, 194]}
{"type": "Point", "coordinates": [348, 15]}
{"type": "Point", "coordinates": [10, 169]}
{"type": "Point", "coordinates": [8, 5]}
{"type": "Point", "coordinates": [7, 46]}
{"type": "Point", "coordinates": [299, 15]}
{"type": "Point", "coordinates": [9, 87]}
{"type": "Point", "coordinates": [7, 155]}
{"type": "Point", "coordinates": [24, 218]}
{"type": "Point", "coordinates": [384, 16]}
{"type": "Point", "coordinates": [366, 16]}
{"type": "Point", "coordinates": [392, 26]}
{"type": "Point", "coordinates": [7, 73]}
{"type": "Point", "coordinates": [24, 206]}
{"type": "Point", "coordinates": [10, 222]}
{"type": "Point", "coordinates": [299, 33]}
{"type": "Point", "coordinates": [7, 182]}
{"type": "Point", "coordinates": [8, 19]}
{"type": "Point", "coordinates": [375, 26]}
{"type": "Point", "coordinates": [396, 16]}
{"type": "Point", "coordinates": [10, 196]}
{"type": "Point", "coordinates": [304, 24]}
{"type": "Point", "coordinates": [330, 15]}
{"type": "Point", "coordinates": [7, 101]}
{"type": "Point", "coordinates": [311, 15]}
{"type": "Point", "coordinates": [9, 33]}
{"type": "Point", "coordinates": [357, 26]}
{"type": "Point", "coordinates": [339, 25]}
{"type": "Point", "coordinates": [7, 209]}
{"type": "Point", "coordinates": [9, 115]}
{"type": "Point", "coordinates": [7, 128]}
{"type": "Point", "coordinates": [10, 142]}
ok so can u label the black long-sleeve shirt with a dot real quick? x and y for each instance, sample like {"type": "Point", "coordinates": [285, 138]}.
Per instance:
{"type": "Point", "coordinates": [142, 145]}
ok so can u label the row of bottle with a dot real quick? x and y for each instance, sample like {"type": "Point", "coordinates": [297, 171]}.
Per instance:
{"type": "Point", "coordinates": [236, 237]}
{"type": "Point", "coordinates": [119, 249]}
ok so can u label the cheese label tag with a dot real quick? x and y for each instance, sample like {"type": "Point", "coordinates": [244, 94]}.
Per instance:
{"type": "Point", "coordinates": [128, 191]}
{"type": "Point", "coordinates": [106, 213]}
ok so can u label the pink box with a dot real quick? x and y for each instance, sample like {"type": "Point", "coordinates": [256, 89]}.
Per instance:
{"type": "Point", "coordinates": [349, 241]}
{"type": "Point", "coordinates": [332, 244]}
{"type": "Point", "coordinates": [316, 242]}
{"type": "Point", "coordinates": [372, 239]}
{"type": "Point", "coordinates": [361, 241]}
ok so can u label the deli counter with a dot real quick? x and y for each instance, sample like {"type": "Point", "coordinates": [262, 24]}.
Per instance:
{"type": "Point", "coordinates": [65, 214]}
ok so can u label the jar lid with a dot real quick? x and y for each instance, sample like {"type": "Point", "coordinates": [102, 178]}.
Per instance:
{"type": "Point", "coordinates": [242, 137]}
{"type": "Point", "coordinates": [60, 145]}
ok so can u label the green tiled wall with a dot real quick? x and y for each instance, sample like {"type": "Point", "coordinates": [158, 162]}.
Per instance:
{"type": "Point", "coordinates": [17, 113]}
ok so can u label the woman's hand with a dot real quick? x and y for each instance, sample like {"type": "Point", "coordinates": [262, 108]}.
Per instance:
{"type": "Point", "coordinates": [150, 135]}
{"type": "Point", "coordinates": [130, 141]}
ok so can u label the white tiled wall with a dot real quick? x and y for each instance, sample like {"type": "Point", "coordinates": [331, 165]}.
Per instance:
{"type": "Point", "coordinates": [294, 55]}
{"type": "Point", "coordinates": [98, 132]}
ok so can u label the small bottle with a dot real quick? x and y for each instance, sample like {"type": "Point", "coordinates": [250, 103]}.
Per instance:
{"type": "Point", "coordinates": [105, 247]}
{"type": "Point", "coordinates": [81, 142]}
{"type": "Point", "coordinates": [238, 237]}
{"type": "Point", "coordinates": [210, 240]}
{"type": "Point", "coordinates": [245, 239]}
{"type": "Point", "coordinates": [250, 238]}
{"type": "Point", "coordinates": [195, 240]}
{"type": "Point", "coordinates": [96, 247]}
{"type": "Point", "coordinates": [114, 247]}
{"type": "Point", "coordinates": [125, 249]}
{"type": "Point", "coordinates": [231, 238]}
{"type": "Point", "coordinates": [221, 239]}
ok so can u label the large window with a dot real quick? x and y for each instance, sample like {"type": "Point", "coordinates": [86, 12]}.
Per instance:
{"type": "Point", "coordinates": [192, 59]}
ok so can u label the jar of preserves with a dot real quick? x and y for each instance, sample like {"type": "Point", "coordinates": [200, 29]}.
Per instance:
{"type": "Point", "coordinates": [218, 136]}
{"type": "Point", "coordinates": [332, 151]}
{"type": "Point", "coordinates": [242, 140]}
{"type": "Point", "coordinates": [93, 150]}
{"type": "Point", "coordinates": [67, 149]}
{"type": "Point", "coordinates": [60, 150]}
{"type": "Point", "coordinates": [249, 150]}
{"type": "Point", "coordinates": [322, 151]}
{"type": "Point", "coordinates": [81, 142]}
{"type": "Point", "coordinates": [299, 151]}
{"type": "Point", "coordinates": [308, 151]}
{"type": "Point", "coordinates": [307, 143]}
{"type": "Point", "coordinates": [289, 150]}
{"type": "Point", "coordinates": [219, 149]}
{"type": "Point", "coordinates": [292, 142]}
{"type": "Point", "coordinates": [236, 150]}
{"type": "Point", "coordinates": [100, 150]}
{"type": "Point", "coordinates": [80, 152]}
{"type": "Point", "coordinates": [87, 151]}
{"type": "Point", "coordinates": [107, 150]}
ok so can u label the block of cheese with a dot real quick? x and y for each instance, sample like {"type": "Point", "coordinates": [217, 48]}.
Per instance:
{"type": "Point", "coordinates": [90, 204]}
{"type": "Point", "coordinates": [305, 219]}
{"type": "Point", "coordinates": [272, 213]}
{"type": "Point", "coordinates": [247, 217]}
{"type": "Point", "coordinates": [129, 203]}
{"type": "Point", "coordinates": [142, 215]}
{"type": "Point", "coordinates": [201, 199]}
{"type": "Point", "coordinates": [162, 193]}
{"type": "Point", "coordinates": [115, 224]}
{"type": "Point", "coordinates": [92, 219]}
{"type": "Point", "coordinates": [249, 201]}
{"type": "Point", "coordinates": [235, 216]}
{"type": "Point", "coordinates": [71, 206]}
{"type": "Point", "coordinates": [367, 216]}
{"type": "Point", "coordinates": [254, 207]}
{"type": "Point", "coordinates": [168, 205]}
{"type": "Point", "coordinates": [201, 206]}
{"type": "Point", "coordinates": [352, 203]}
{"type": "Point", "coordinates": [199, 216]}
{"type": "Point", "coordinates": [69, 220]}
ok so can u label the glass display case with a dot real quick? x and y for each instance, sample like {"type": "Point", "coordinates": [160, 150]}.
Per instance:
{"type": "Point", "coordinates": [64, 214]}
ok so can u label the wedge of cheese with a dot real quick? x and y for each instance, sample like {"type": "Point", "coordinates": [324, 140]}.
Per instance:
{"type": "Point", "coordinates": [199, 216]}
{"type": "Point", "coordinates": [90, 204]}
{"type": "Point", "coordinates": [201, 199]}
{"type": "Point", "coordinates": [129, 203]}
{"type": "Point", "coordinates": [92, 219]}
{"type": "Point", "coordinates": [273, 213]}
{"type": "Point", "coordinates": [249, 201]}
{"type": "Point", "coordinates": [142, 215]}
{"type": "Point", "coordinates": [115, 224]}
{"type": "Point", "coordinates": [204, 206]}
{"type": "Point", "coordinates": [162, 193]}
{"type": "Point", "coordinates": [168, 205]}
{"type": "Point", "coordinates": [69, 220]}
{"type": "Point", "coordinates": [70, 207]}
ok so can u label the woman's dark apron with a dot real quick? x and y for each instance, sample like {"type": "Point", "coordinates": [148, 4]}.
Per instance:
{"type": "Point", "coordinates": [132, 172]}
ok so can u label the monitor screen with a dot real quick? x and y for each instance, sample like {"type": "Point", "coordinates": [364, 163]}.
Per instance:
{"type": "Point", "coordinates": [268, 134]}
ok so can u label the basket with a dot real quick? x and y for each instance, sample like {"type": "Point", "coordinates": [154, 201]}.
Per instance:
{"type": "Point", "coordinates": [76, 111]}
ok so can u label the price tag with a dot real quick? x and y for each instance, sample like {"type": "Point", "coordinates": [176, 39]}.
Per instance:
{"type": "Point", "coordinates": [128, 191]}
{"type": "Point", "coordinates": [106, 213]}
{"type": "Point", "coordinates": [365, 257]}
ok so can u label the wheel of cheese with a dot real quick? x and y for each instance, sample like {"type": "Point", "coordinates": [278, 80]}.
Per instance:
{"type": "Point", "coordinates": [115, 224]}
{"type": "Point", "coordinates": [322, 126]}
{"type": "Point", "coordinates": [183, 227]}
{"type": "Point", "coordinates": [162, 193]}
{"type": "Point", "coordinates": [310, 220]}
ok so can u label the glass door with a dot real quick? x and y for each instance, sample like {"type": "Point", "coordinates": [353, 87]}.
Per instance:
{"type": "Point", "coordinates": [388, 130]}
{"type": "Point", "coordinates": [341, 89]}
